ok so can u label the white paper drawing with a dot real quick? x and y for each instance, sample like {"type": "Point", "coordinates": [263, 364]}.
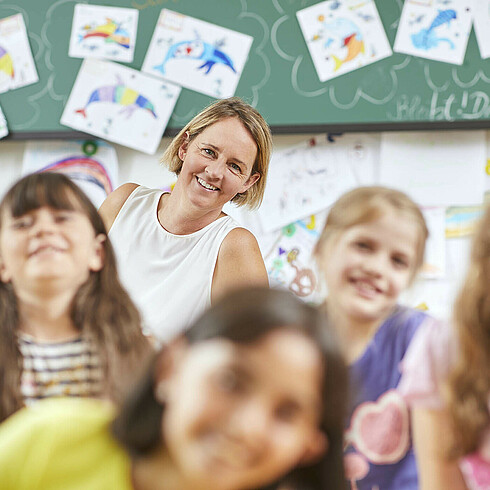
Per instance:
{"type": "Point", "coordinates": [103, 32]}
{"type": "Point", "coordinates": [120, 104]}
{"type": "Point", "coordinates": [438, 31]}
{"type": "Point", "coordinates": [434, 265]}
{"type": "Point", "coordinates": [343, 36]}
{"type": "Point", "coordinates": [91, 164]}
{"type": "Point", "coordinates": [197, 55]}
{"type": "Point", "coordinates": [304, 180]}
{"type": "Point", "coordinates": [4, 131]}
{"type": "Point", "coordinates": [435, 168]}
{"type": "Point", "coordinates": [17, 68]}
{"type": "Point", "coordinates": [481, 23]}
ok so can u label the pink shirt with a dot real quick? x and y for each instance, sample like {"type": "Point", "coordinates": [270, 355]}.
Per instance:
{"type": "Point", "coordinates": [425, 368]}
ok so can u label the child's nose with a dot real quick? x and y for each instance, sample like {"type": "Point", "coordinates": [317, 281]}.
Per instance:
{"type": "Point", "coordinates": [44, 223]}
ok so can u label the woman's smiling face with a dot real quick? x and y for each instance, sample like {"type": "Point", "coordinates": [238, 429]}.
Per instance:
{"type": "Point", "coordinates": [218, 163]}
{"type": "Point", "coordinates": [239, 416]}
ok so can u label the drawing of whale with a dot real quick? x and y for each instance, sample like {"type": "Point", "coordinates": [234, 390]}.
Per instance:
{"type": "Point", "coordinates": [111, 32]}
{"type": "Point", "coordinates": [6, 64]}
{"type": "Point", "coordinates": [197, 50]}
{"type": "Point", "coordinates": [427, 38]}
{"type": "Point", "coordinates": [122, 95]}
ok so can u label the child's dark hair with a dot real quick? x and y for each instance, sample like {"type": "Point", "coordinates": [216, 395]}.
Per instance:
{"type": "Point", "coordinates": [244, 316]}
{"type": "Point", "coordinates": [101, 308]}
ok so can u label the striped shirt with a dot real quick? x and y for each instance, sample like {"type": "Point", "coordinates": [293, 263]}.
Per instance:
{"type": "Point", "coordinates": [68, 368]}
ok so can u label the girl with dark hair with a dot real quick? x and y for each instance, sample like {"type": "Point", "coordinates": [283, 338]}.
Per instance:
{"type": "Point", "coordinates": [67, 325]}
{"type": "Point", "coordinates": [251, 396]}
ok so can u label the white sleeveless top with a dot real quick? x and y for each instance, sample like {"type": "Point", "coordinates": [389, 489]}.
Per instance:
{"type": "Point", "coordinates": [168, 276]}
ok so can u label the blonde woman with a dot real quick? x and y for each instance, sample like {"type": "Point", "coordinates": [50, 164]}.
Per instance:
{"type": "Point", "coordinates": [178, 251]}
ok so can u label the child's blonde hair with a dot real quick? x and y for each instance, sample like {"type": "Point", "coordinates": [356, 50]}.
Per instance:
{"type": "Point", "coordinates": [367, 204]}
{"type": "Point", "coordinates": [469, 383]}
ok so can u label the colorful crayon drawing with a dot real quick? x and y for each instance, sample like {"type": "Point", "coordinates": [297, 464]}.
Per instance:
{"type": "Point", "coordinates": [111, 31]}
{"type": "Point", "coordinates": [82, 168]}
{"type": "Point", "coordinates": [6, 64]}
{"type": "Point", "coordinates": [122, 95]}
{"type": "Point", "coordinates": [197, 50]}
{"type": "Point", "coordinates": [427, 38]}
{"type": "Point", "coordinates": [349, 35]}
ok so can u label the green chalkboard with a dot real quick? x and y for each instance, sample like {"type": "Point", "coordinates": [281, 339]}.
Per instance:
{"type": "Point", "coordinates": [399, 92]}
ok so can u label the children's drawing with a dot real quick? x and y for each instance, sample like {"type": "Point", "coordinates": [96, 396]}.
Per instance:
{"type": "Point", "coordinates": [103, 32]}
{"type": "Point", "coordinates": [481, 23]}
{"type": "Point", "coordinates": [309, 177]}
{"type": "Point", "coordinates": [343, 36]}
{"type": "Point", "coordinates": [461, 220]}
{"type": "Point", "coordinates": [3, 125]}
{"type": "Point", "coordinates": [92, 165]}
{"type": "Point", "coordinates": [120, 104]}
{"type": "Point", "coordinates": [17, 67]}
{"type": "Point", "coordinates": [289, 260]}
{"type": "Point", "coordinates": [435, 170]}
{"type": "Point", "coordinates": [436, 31]}
{"type": "Point", "coordinates": [197, 55]}
{"type": "Point", "coordinates": [120, 94]}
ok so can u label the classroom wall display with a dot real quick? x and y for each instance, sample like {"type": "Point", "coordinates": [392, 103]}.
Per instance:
{"type": "Point", "coordinates": [120, 104]}
{"type": "Point", "coordinates": [197, 55]}
{"type": "Point", "coordinates": [17, 68]}
{"type": "Point", "coordinates": [435, 169]}
{"type": "Point", "coordinates": [343, 36]}
{"type": "Point", "coordinates": [91, 164]}
{"type": "Point", "coordinates": [279, 78]}
{"type": "Point", "coordinates": [435, 30]}
{"type": "Point", "coordinates": [481, 22]}
{"type": "Point", "coordinates": [103, 32]}
{"type": "Point", "coordinates": [3, 125]}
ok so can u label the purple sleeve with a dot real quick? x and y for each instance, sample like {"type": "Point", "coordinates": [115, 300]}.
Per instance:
{"type": "Point", "coordinates": [426, 365]}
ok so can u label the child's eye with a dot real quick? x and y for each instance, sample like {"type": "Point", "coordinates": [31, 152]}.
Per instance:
{"type": "Point", "coordinates": [287, 412]}
{"type": "Point", "coordinates": [22, 222]}
{"type": "Point", "coordinates": [230, 380]}
{"type": "Point", "coordinates": [400, 262]}
{"type": "Point", "coordinates": [362, 245]}
{"type": "Point", "coordinates": [62, 217]}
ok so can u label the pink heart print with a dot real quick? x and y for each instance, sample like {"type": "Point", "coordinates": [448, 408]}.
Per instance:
{"type": "Point", "coordinates": [381, 430]}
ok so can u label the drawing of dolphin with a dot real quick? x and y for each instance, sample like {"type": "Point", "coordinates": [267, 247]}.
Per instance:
{"type": "Point", "coordinates": [6, 64]}
{"type": "Point", "coordinates": [111, 31]}
{"type": "Point", "coordinates": [122, 95]}
{"type": "Point", "coordinates": [198, 50]}
{"type": "Point", "coordinates": [427, 38]}
{"type": "Point", "coordinates": [443, 17]}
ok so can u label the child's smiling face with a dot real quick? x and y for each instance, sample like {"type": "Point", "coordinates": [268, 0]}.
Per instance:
{"type": "Point", "coordinates": [368, 265]}
{"type": "Point", "coordinates": [239, 416]}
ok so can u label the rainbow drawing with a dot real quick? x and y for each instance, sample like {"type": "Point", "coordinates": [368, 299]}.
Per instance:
{"type": "Point", "coordinates": [82, 168]}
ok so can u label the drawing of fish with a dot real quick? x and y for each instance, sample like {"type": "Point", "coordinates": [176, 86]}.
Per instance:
{"type": "Point", "coordinates": [6, 64]}
{"type": "Point", "coordinates": [122, 95]}
{"type": "Point", "coordinates": [427, 38]}
{"type": "Point", "coordinates": [197, 50]}
{"type": "Point", "coordinates": [111, 31]}
{"type": "Point", "coordinates": [350, 37]}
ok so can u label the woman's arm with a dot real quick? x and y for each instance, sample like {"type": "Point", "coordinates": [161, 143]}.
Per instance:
{"type": "Point", "coordinates": [239, 264]}
{"type": "Point", "coordinates": [431, 439]}
{"type": "Point", "coordinates": [113, 203]}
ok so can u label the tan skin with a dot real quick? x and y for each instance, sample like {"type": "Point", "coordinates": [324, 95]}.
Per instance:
{"type": "Point", "coordinates": [214, 155]}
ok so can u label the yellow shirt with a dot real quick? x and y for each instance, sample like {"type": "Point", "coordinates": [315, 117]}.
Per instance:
{"type": "Point", "coordinates": [62, 444]}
